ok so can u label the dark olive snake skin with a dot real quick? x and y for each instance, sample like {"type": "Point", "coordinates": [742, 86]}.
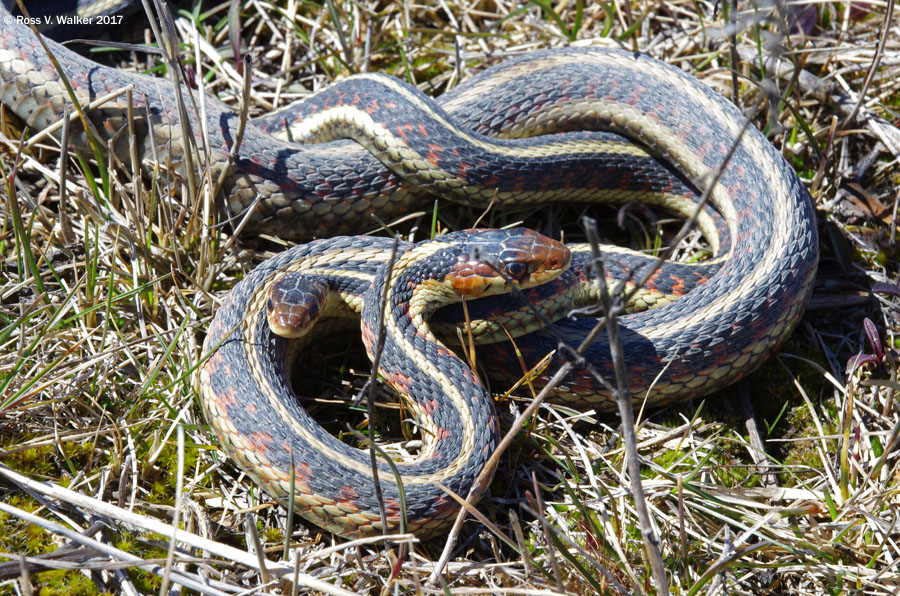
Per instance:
{"type": "Point", "coordinates": [407, 148]}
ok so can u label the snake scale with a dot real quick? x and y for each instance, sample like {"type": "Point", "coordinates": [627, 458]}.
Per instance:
{"type": "Point", "coordinates": [573, 124]}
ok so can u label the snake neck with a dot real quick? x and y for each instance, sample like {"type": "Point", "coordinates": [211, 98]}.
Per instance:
{"type": "Point", "coordinates": [443, 393]}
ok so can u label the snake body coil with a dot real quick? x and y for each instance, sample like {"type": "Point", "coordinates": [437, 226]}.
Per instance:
{"type": "Point", "coordinates": [647, 132]}
{"type": "Point", "coordinates": [246, 389]}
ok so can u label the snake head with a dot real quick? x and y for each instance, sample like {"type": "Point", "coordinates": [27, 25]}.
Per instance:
{"type": "Point", "coordinates": [490, 261]}
{"type": "Point", "coordinates": [294, 304]}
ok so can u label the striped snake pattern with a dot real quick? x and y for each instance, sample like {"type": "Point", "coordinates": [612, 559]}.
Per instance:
{"type": "Point", "coordinates": [573, 124]}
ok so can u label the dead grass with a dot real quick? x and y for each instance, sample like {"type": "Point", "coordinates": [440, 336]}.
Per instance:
{"type": "Point", "coordinates": [108, 285]}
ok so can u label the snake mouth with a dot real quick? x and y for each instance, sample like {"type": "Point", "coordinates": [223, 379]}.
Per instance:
{"type": "Point", "coordinates": [552, 257]}
{"type": "Point", "coordinates": [539, 278]}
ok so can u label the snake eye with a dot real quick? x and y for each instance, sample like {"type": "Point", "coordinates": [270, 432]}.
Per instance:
{"type": "Point", "coordinates": [516, 269]}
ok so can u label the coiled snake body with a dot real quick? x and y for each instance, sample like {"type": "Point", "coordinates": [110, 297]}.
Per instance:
{"type": "Point", "coordinates": [649, 132]}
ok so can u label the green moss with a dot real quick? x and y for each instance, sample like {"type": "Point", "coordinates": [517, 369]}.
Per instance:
{"type": "Point", "coordinates": [162, 476]}
{"type": "Point", "coordinates": [271, 534]}
{"type": "Point", "coordinates": [47, 461]}
{"type": "Point", "coordinates": [806, 454]}
{"type": "Point", "coordinates": [144, 581]}
{"type": "Point", "coordinates": [667, 459]}
{"type": "Point", "coordinates": [63, 583]}
{"type": "Point", "coordinates": [18, 536]}
{"type": "Point", "coordinates": [58, 462]}
{"type": "Point", "coordinates": [33, 461]}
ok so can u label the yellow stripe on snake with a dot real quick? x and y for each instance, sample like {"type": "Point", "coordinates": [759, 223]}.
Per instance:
{"type": "Point", "coordinates": [569, 124]}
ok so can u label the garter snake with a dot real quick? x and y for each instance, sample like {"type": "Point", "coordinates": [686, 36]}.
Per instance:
{"type": "Point", "coordinates": [571, 124]}
{"type": "Point", "coordinates": [260, 421]}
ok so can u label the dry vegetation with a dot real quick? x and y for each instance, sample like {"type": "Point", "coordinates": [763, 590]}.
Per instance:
{"type": "Point", "coordinates": [787, 483]}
